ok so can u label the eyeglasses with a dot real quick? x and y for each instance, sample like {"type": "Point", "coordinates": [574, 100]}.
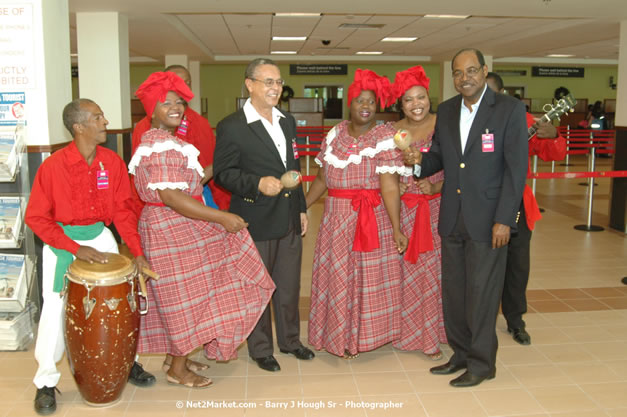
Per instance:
{"type": "Point", "coordinates": [470, 72]}
{"type": "Point", "coordinates": [269, 82]}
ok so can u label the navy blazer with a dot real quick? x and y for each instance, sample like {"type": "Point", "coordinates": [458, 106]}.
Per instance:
{"type": "Point", "coordinates": [244, 153]}
{"type": "Point", "coordinates": [486, 186]}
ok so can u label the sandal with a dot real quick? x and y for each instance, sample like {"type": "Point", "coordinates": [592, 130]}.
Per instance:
{"type": "Point", "coordinates": [435, 356]}
{"type": "Point", "coordinates": [348, 355]}
{"type": "Point", "coordinates": [204, 382]}
{"type": "Point", "coordinates": [191, 365]}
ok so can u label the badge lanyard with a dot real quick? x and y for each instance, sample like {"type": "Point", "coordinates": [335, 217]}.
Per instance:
{"type": "Point", "coordinates": [102, 178]}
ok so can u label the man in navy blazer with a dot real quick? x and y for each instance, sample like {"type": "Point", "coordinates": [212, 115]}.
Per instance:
{"type": "Point", "coordinates": [480, 141]}
{"type": "Point", "coordinates": [255, 146]}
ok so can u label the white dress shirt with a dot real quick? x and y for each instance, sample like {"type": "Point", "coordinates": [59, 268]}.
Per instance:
{"type": "Point", "coordinates": [466, 117]}
{"type": "Point", "coordinates": [273, 129]}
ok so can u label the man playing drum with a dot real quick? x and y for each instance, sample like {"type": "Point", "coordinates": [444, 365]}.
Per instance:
{"type": "Point", "coordinates": [77, 191]}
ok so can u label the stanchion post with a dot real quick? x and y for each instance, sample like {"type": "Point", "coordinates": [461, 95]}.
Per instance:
{"type": "Point", "coordinates": [307, 160]}
{"type": "Point", "coordinates": [589, 227]}
{"type": "Point", "coordinates": [565, 164]}
{"type": "Point", "coordinates": [535, 171]}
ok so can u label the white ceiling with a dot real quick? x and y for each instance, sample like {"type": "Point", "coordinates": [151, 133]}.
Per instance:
{"type": "Point", "coordinates": [236, 30]}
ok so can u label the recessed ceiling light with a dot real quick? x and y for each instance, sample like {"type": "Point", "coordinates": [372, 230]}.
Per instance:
{"type": "Point", "coordinates": [361, 25]}
{"type": "Point", "coordinates": [560, 56]}
{"type": "Point", "coordinates": [369, 53]}
{"type": "Point", "coordinates": [397, 39]}
{"type": "Point", "coordinates": [445, 16]}
{"type": "Point", "coordinates": [289, 38]}
{"type": "Point", "coordinates": [298, 14]}
{"type": "Point", "coordinates": [283, 52]}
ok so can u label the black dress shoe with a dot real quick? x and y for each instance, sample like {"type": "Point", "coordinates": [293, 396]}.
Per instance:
{"type": "Point", "coordinates": [469, 380]}
{"type": "Point", "coordinates": [45, 401]}
{"type": "Point", "coordinates": [139, 377]}
{"type": "Point", "coordinates": [268, 363]}
{"type": "Point", "coordinates": [446, 369]}
{"type": "Point", "coordinates": [301, 353]}
{"type": "Point", "coordinates": [520, 335]}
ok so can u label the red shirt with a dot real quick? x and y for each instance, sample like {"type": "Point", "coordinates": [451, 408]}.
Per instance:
{"type": "Point", "coordinates": [200, 134]}
{"type": "Point", "coordinates": [546, 149]}
{"type": "Point", "coordinates": [65, 191]}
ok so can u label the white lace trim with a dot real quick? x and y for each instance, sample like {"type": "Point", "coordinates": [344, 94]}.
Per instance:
{"type": "Point", "coordinates": [187, 150]}
{"type": "Point", "coordinates": [384, 145]}
{"type": "Point", "coordinates": [168, 185]}
{"type": "Point", "coordinates": [404, 171]}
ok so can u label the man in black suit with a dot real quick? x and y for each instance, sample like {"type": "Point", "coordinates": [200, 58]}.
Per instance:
{"type": "Point", "coordinates": [255, 146]}
{"type": "Point", "coordinates": [480, 141]}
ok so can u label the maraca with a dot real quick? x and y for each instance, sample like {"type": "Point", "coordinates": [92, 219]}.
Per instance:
{"type": "Point", "coordinates": [402, 139]}
{"type": "Point", "coordinates": [291, 179]}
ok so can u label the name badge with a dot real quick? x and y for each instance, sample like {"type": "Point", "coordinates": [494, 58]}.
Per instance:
{"type": "Point", "coordinates": [424, 148]}
{"type": "Point", "coordinates": [102, 179]}
{"type": "Point", "coordinates": [294, 148]}
{"type": "Point", "coordinates": [182, 130]}
{"type": "Point", "coordinates": [487, 142]}
{"type": "Point", "coordinates": [352, 149]}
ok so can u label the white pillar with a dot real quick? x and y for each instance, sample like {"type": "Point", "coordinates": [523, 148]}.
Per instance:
{"type": "Point", "coordinates": [35, 61]}
{"type": "Point", "coordinates": [103, 64]}
{"type": "Point", "coordinates": [194, 72]}
{"type": "Point", "coordinates": [448, 88]}
{"type": "Point", "coordinates": [489, 61]}
{"type": "Point", "coordinates": [621, 89]}
{"type": "Point", "coordinates": [176, 60]}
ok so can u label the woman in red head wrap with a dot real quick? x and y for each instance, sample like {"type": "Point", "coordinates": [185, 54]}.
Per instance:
{"type": "Point", "coordinates": [356, 271]}
{"type": "Point", "coordinates": [422, 324]}
{"type": "Point", "coordinates": [213, 287]}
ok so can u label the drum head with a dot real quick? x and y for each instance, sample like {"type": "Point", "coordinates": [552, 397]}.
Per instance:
{"type": "Point", "coordinates": [113, 272]}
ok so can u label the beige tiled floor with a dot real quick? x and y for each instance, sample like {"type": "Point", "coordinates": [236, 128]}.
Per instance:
{"type": "Point", "coordinates": [576, 366]}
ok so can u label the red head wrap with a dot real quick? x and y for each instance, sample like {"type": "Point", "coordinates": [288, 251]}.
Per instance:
{"type": "Point", "coordinates": [414, 76]}
{"type": "Point", "coordinates": [370, 80]}
{"type": "Point", "coordinates": [157, 86]}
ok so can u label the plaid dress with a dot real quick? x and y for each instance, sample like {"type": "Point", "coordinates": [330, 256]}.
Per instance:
{"type": "Point", "coordinates": [213, 286]}
{"type": "Point", "coordinates": [422, 324]}
{"type": "Point", "coordinates": [355, 296]}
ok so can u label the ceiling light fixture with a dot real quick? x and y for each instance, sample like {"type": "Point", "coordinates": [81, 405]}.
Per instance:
{"type": "Point", "coordinates": [289, 38]}
{"type": "Point", "coordinates": [283, 52]}
{"type": "Point", "coordinates": [369, 53]}
{"type": "Point", "coordinates": [361, 25]}
{"type": "Point", "coordinates": [397, 39]}
{"type": "Point", "coordinates": [445, 16]}
{"type": "Point", "coordinates": [560, 56]}
{"type": "Point", "coordinates": [298, 14]}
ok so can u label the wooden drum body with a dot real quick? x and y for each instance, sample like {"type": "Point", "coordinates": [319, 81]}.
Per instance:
{"type": "Point", "coordinates": [101, 326]}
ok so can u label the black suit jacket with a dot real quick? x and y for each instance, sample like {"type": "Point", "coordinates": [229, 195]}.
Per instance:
{"type": "Point", "coordinates": [244, 153]}
{"type": "Point", "coordinates": [486, 186]}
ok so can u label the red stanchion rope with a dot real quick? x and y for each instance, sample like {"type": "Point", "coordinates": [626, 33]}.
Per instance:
{"type": "Point", "coordinates": [579, 138]}
{"type": "Point", "coordinates": [568, 175]}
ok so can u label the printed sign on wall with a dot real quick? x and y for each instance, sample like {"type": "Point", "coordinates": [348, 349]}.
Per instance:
{"type": "Point", "coordinates": [17, 62]}
{"type": "Point", "coordinates": [12, 108]}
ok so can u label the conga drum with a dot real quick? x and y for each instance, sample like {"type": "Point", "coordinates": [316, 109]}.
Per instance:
{"type": "Point", "coordinates": [101, 326]}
